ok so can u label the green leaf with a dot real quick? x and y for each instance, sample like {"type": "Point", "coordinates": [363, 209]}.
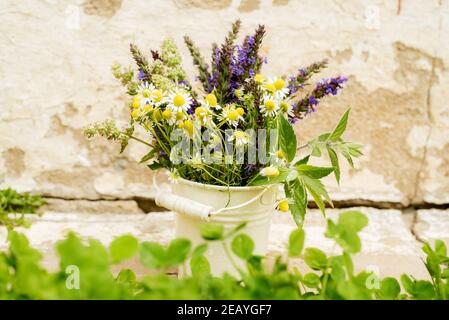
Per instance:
{"type": "Point", "coordinates": [297, 192]}
{"type": "Point", "coordinates": [317, 191]}
{"type": "Point", "coordinates": [340, 128]}
{"type": "Point", "coordinates": [287, 138]}
{"type": "Point", "coordinates": [126, 276]}
{"type": "Point", "coordinates": [155, 165]}
{"type": "Point", "coordinates": [407, 283]}
{"type": "Point", "coordinates": [242, 246]}
{"type": "Point", "coordinates": [153, 255]}
{"type": "Point", "coordinates": [389, 288]}
{"type": "Point", "coordinates": [148, 156]}
{"type": "Point", "coordinates": [199, 266]}
{"type": "Point", "coordinates": [315, 258]}
{"type": "Point", "coordinates": [311, 280]}
{"type": "Point", "coordinates": [334, 161]}
{"type": "Point", "coordinates": [347, 260]}
{"type": "Point", "coordinates": [314, 172]}
{"type": "Point", "coordinates": [349, 241]}
{"type": "Point", "coordinates": [199, 250]}
{"type": "Point", "coordinates": [177, 251]}
{"type": "Point", "coordinates": [212, 231]}
{"type": "Point", "coordinates": [353, 221]}
{"type": "Point", "coordinates": [123, 248]}
{"type": "Point", "coordinates": [424, 290]}
{"type": "Point", "coordinates": [303, 160]}
{"type": "Point", "coordinates": [440, 248]}
{"type": "Point", "coordinates": [316, 151]}
{"type": "Point", "coordinates": [296, 243]}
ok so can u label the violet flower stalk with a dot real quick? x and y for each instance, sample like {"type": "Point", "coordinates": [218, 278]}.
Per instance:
{"type": "Point", "coordinates": [326, 87]}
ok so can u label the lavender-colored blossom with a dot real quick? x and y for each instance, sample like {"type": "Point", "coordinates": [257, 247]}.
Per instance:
{"type": "Point", "coordinates": [332, 85]}
{"type": "Point", "coordinates": [293, 120]}
{"type": "Point", "coordinates": [312, 101]}
{"type": "Point", "coordinates": [141, 75]}
{"type": "Point", "coordinates": [183, 83]}
{"type": "Point", "coordinates": [251, 73]}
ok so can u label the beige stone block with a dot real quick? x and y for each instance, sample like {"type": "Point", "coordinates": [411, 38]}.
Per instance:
{"type": "Point", "coordinates": [432, 224]}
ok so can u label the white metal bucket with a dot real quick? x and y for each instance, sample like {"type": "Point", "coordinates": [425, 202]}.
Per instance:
{"type": "Point", "coordinates": [196, 203]}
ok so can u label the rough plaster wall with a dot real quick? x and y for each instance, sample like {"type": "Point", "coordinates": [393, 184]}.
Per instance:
{"type": "Point", "coordinates": [55, 60]}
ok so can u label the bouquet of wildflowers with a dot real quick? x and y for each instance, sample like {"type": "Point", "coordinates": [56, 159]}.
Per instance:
{"type": "Point", "coordinates": [234, 126]}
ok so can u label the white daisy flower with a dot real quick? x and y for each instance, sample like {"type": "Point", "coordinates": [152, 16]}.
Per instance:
{"type": "Point", "coordinates": [178, 117]}
{"type": "Point", "coordinates": [259, 79]}
{"type": "Point", "coordinates": [173, 176]}
{"type": "Point", "coordinates": [279, 157]}
{"type": "Point", "coordinates": [210, 101]}
{"type": "Point", "coordinates": [277, 87]}
{"type": "Point", "coordinates": [270, 106]}
{"type": "Point", "coordinates": [231, 115]}
{"type": "Point", "coordinates": [204, 115]}
{"type": "Point", "coordinates": [157, 97]}
{"type": "Point", "coordinates": [241, 138]}
{"type": "Point", "coordinates": [196, 160]}
{"type": "Point", "coordinates": [286, 108]}
{"type": "Point", "coordinates": [179, 101]}
{"type": "Point", "coordinates": [145, 91]}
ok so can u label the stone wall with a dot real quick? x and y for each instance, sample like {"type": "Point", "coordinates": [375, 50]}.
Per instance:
{"type": "Point", "coordinates": [55, 60]}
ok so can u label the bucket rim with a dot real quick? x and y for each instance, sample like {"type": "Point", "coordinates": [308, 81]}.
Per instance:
{"type": "Point", "coordinates": [222, 188]}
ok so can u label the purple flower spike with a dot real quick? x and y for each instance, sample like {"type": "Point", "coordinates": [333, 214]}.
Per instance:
{"type": "Point", "coordinates": [141, 75]}
{"type": "Point", "coordinates": [312, 101]}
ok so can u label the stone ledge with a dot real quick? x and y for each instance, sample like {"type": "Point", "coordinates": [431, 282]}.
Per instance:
{"type": "Point", "coordinates": [432, 224]}
{"type": "Point", "coordinates": [388, 245]}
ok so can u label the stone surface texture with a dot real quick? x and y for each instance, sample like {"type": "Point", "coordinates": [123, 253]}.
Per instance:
{"type": "Point", "coordinates": [55, 69]}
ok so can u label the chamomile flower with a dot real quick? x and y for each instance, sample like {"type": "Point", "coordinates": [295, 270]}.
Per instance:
{"type": "Point", "coordinates": [173, 176]}
{"type": "Point", "coordinates": [283, 205]}
{"type": "Point", "coordinates": [188, 126]}
{"type": "Point", "coordinates": [211, 101]}
{"type": "Point", "coordinates": [145, 91]}
{"type": "Point", "coordinates": [158, 97]}
{"type": "Point", "coordinates": [147, 108]}
{"type": "Point", "coordinates": [231, 115]}
{"type": "Point", "coordinates": [241, 138]}
{"type": "Point", "coordinates": [259, 79]}
{"type": "Point", "coordinates": [179, 101]}
{"type": "Point", "coordinates": [279, 157]}
{"type": "Point", "coordinates": [277, 87]}
{"type": "Point", "coordinates": [167, 114]}
{"type": "Point", "coordinates": [286, 108]}
{"type": "Point", "coordinates": [136, 113]}
{"type": "Point", "coordinates": [136, 102]}
{"type": "Point", "coordinates": [238, 93]}
{"type": "Point", "coordinates": [178, 117]}
{"type": "Point", "coordinates": [270, 106]}
{"type": "Point", "coordinates": [204, 115]}
{"type": "Point", "coordinates": [270, 172]}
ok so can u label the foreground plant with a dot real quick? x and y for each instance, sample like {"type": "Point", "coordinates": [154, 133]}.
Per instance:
{"type": "Point", "coordinates": [84, 270]}
{"type": "Point", "coordinates": [212, 135]}
{"type": "Point", "coordinates": [14, 205]}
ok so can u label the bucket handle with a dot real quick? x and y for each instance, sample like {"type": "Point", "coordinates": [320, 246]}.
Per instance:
{"type": "Point", "coordinates": [193, 208]}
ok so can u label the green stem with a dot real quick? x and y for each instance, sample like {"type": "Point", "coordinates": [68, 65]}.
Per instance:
{"type": "Point", "coordinates": [140, 140]}
{"type": "Point", "coordinates": [231, 259]}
